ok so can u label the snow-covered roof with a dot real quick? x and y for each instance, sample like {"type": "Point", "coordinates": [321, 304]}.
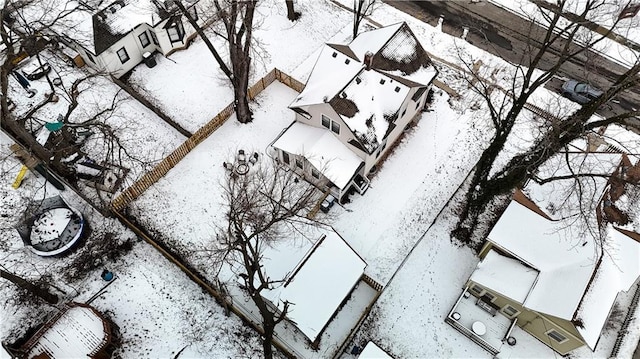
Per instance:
{"type": "Point", "coordinates": [319, 276]}
{"type": "Point", "coordinates": [369, 100]}
{"type": "Point", "coordinates": [565, 261]}
{"type": "Point", "coordinates": [561, 198]}
{"type": "Point", "coordinates": [322, 149]}
{"type": "Point", "coordinates": [617, 272]}
{"type": "Point", "coordinates": [78, 333]}
{"type": "Point", "coordinates": [369, 105]}
{"type": "Point", "coordinates": [372, 351]}
{"type": "Point", "coordinates": [507, 276]}
{"type": "Point", "coordinates": [332, 71]}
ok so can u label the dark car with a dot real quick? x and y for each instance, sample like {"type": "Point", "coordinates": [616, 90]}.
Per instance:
{"type": "Point", "coordinates": [580, 92]}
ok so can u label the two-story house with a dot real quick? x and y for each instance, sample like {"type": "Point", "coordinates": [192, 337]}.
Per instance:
{"type": "Point", "coordinates": [550, 266]}
{"type": "Point", "coordinates": [357, 101]}
{"type": "Point", "coordinates": [115, 37]}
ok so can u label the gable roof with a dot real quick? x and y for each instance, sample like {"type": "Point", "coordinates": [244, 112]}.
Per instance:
{"type": "Point", "coordinates": [319, 273]}
{"type": "Point", "coordinates": [368, 101]}
{"type": "Point", "coordinates": [565, 261]}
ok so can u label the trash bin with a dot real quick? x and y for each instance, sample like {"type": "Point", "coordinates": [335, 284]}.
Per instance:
{"type": "Point", "coordinates": [149, 59]}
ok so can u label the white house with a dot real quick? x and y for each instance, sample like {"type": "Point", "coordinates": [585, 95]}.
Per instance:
{"type": "Point", "coordinates": [355, 105]}
{"type": "Point", "coordinates": [113, 37]}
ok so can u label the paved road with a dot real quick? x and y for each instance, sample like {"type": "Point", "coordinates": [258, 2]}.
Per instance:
{"type": "Point", "coordinates": [505, 34]}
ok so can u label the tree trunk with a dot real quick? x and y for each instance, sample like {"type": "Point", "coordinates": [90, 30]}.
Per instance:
{"type": "Point", "coordinates": [42, 293]}
{"type": "Point", "coordinates": [292, 14]}
{"type": "Point", "coordinates": [268, 324]}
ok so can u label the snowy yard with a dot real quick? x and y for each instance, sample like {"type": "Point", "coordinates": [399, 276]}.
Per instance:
{"type": "Point", "coordinates": [158, 308]}
{"type": "Point", "coordinates": [400, 227]}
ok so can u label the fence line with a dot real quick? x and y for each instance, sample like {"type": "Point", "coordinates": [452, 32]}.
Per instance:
{"type": "Point", "coordinates": [162, 168]}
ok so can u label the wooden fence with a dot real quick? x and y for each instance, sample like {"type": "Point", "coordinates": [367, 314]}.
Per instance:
{"type": "Point", "coordinates": [151, 177]}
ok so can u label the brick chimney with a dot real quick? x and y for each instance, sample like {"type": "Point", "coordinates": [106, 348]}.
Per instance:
{"type": "Point", "coordinates": [368, 60]}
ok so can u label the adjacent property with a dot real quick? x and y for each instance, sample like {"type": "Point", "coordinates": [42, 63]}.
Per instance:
{"type": "Point", "coordinates": [77, 331]}
{"type": "Point", "coordinates": [115, 37]}
{"type": "Point", "coordinates": [357, 102]}
{"type": "Point", "coordinates": [557, 280]}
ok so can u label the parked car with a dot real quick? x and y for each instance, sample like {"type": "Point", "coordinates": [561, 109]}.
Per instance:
{"type": "Point", "coordinates": [580, 92]}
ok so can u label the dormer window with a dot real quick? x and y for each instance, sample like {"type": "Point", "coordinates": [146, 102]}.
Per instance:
{"type": "Point", "coordinates": [175, 30]}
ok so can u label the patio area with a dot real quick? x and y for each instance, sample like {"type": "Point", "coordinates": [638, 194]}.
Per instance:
{"type": "Point", "coordinates": [478, 324]}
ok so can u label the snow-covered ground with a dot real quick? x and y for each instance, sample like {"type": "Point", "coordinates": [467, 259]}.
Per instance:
{"type": "Point", "coordinates": [160, 311]}
{"type": "Point", "coordinates": [158, 308]}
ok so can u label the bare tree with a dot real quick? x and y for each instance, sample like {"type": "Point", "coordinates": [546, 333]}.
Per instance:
{"type": "Point", "coordinates": [559, 41]}
{"type": "Point", "coordinates": [237, 19]}
{"type": "Point", "coordinates": [361, 9]}
{"type": "Point", "coordinates": [39, 291]}
{"type": "Point", "coordinates": [84, 114]}
{"type": "Point", "coordinates": [292, 14]}
{"type": "Point", "coordinates": [265, 207]}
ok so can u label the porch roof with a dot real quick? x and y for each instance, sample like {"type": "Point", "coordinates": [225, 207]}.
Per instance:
{"type": "Point", "coordinates": [322, 149]}
{"type": "Point", "coordinates": [507, 276]}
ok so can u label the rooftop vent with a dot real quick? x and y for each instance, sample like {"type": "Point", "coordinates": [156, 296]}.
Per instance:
{"type": "Point", "coordinates": [334, 54]}
{"type": "Point", "coordinates": [397, 89]}
{"type": "Point", "coordinates": [347, 61]}
{"type": "Point", "coordinates": [382, 81]}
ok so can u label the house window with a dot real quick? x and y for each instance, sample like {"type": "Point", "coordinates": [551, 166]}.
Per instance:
{"type": "Point", "coordinates": [489, 296]}
{"type": "Point", "coordinates": [403, 113]}
{"type": "Point", "coordinates": [510, 311]}
{"type": "Point", "coordinates": [144, 39]}
{"type": "Point", "coordinates": [123, 55]}
{"type": "Point", "coordinates": [315, 173]}
{"type": "Point", "coordinates": [299, 163]}
{"type": "Point", "coordinates": [417, 104]}
{"type": "Point", "coordinates": [285, 157]}
{"type": "Point", "coordinates": [555, 335]}
{"type": "Point", "coordinates": [326, 122]}
{"type": "Point", "coordinates": [175, 30]}
{"type": "Point", "coordinates": [154, 38]}
{"type": "Point", "coordinates": [335, 127]}
{"type": "Point", "coordinates": [477, 290]}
